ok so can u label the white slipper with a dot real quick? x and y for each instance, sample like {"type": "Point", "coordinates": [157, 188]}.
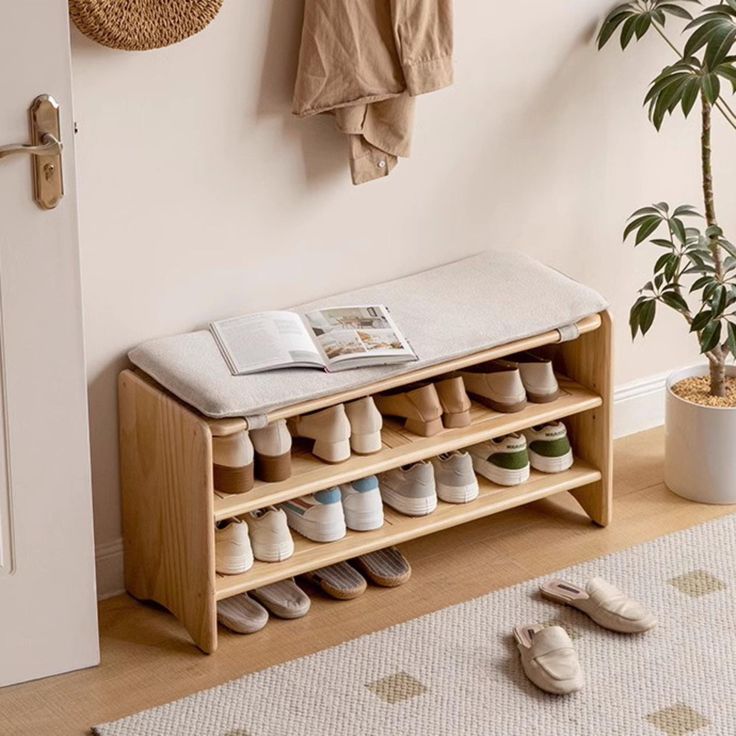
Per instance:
{"type": "Point", "coordinates": [604, 603]}
{"type": "Point", "coordinates": [549, 659]}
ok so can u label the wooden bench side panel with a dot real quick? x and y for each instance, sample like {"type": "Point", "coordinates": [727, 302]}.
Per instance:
{"type": "Point", "coordinates": [167, 498]}
{"type": "Point", "coordinates": [589, 361]}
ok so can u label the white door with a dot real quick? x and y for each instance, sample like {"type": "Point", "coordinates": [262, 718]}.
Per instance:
{"type": "Point", "coordinates": [48, 616]}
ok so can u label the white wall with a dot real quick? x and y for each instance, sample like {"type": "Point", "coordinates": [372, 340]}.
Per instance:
{"type": "Point", "coordinates": [202, 197]}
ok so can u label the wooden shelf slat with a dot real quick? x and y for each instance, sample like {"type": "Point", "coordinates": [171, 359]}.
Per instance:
{"type": "Point", "coordinates": [401, 447]}
{"type": "Point", "coordinates": [223, 427]}
{"type": "Point", "coordinates": [398, 528]}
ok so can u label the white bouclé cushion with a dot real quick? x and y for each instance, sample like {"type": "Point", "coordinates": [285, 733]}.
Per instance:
{"type": "Point", "coordinates": [446, 312]}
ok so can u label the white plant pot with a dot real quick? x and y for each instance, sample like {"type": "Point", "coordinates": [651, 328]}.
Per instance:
{"type": "Point", "coordinates": [700, 446]}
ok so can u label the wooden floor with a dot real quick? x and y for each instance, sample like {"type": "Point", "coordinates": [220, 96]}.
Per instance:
{"type": "Point", "coordinates": [147, 659]}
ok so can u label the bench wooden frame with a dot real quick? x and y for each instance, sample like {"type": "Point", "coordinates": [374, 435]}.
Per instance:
{"type": "Point", "coordinates": [169, 504]}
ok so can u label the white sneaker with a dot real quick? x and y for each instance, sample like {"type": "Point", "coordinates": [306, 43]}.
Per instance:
{"type": "Point", "coordinates": [549, 448]}
{"type": "Point", "coordinates": [233, 553]}
{"type": "Point", "coordinates": [361, 502]}
{"type": "Point", "coordinates": [318, 517]}
{"type": "Point", "coordinates": [455, 478]}
{"type": "Point", "coordinates": [269, 534]}
{"type": "Point", "coordinates": [365, 425]}
{"type": "Point", "coordinates": [504, 460]}
{"type": "Point", "coordinates": [410, 489]}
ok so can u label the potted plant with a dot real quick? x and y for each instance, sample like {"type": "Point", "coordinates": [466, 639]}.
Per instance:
{"type": "Point", "coordinates": [695, 273]}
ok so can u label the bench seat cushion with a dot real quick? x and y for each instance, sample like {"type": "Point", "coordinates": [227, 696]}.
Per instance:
{"type": "Point", "coordinates": [447, 312]}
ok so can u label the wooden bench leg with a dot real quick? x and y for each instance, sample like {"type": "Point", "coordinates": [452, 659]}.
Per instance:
{"type": "Point", "coordinates": [588, 360]}
{"type": "Point", "coordinates": [168, 515]}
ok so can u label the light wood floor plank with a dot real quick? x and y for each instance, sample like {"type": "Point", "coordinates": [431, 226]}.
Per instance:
{"type": "Point", "coordinates": [147, 658]}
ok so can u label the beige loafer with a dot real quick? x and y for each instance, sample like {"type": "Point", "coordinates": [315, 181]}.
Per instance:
{"type": "Point", "coordinates": [496, 385]}
{"type": "Point", "coordinates": [538, 377]}
{"type": "Point", "coordinates": [549, 658]}
{"type": "Point", "coordinates": [604, 603]}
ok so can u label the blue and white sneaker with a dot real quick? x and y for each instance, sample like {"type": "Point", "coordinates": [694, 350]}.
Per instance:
{"type": "Point", "coordinates": [362, 504]}
{"type": "Point", "coordinates": [318, 517]}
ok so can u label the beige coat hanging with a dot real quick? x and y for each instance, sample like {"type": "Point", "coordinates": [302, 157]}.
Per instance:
{"type": "Point", "coordinates": [139, 25]}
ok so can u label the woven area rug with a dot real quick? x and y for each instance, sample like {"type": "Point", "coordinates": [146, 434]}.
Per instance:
{"type": "Point", "coordinates": [456, 673]}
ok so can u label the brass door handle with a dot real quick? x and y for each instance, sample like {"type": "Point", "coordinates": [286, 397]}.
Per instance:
{"type": "Point", "coordinates": [49, 146]}
{"type": "Point", "coordinates": [44, 149]}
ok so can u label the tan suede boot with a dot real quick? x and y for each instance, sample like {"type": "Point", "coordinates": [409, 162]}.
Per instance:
{"type": "Point", "coordinates": [330, 430]}
{"type": "Point", "coordinates": [420, 407]}
{"type": "Point", "coordinates": [273, 451]}
{"type": "Point", "coordinates": [455, 402]}
{"type": "Point", "coordinates": [365, 425]}
{"type": "Point", "coordinates": [232, 458]}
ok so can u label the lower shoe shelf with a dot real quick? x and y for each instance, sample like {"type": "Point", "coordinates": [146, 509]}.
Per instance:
{"type": "Point", "coordinates": [398, 528]}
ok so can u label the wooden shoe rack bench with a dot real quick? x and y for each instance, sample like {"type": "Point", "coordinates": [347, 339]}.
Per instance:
{"type": "Point", "coordinates": [170, 507]}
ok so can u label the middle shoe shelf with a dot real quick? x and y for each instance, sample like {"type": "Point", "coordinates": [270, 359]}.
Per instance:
{"type": "Point", "coordinates": [398, 528]}
{"type": "Point", "coordinates": [401, 447]}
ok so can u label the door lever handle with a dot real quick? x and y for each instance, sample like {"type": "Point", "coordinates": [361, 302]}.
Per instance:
{"type": "Point", "coordinates": [49, 146]}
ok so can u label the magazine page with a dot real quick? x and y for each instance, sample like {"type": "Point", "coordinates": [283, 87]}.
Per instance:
{"type": "Point", "coordinates": [365, 333]}
{"type": "Point", "coordinates": [265, 341]}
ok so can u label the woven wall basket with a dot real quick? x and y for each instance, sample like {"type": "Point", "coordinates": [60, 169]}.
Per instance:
{"type": "Point", "coordinates": [138, 25]}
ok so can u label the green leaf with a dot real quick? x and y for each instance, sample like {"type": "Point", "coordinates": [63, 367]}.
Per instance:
{"type": "Point", "coordinates": [674, 300]}
{"type": "Point", "coordinates": [628, 30]}
{"type": "Point", "coordinates": [710, 337]}
{"type": "Point", "coordinates": [686, 210]}
{"type": "Point", "coordinates": [646, 229]}
{"type": "Point", "coordinates": [647, 315]}
{"type": "Point", "coordinates": [679, 229]}
{"type": "Point", "coordinates": [702, 282]}
{"type": "Point", "coordinates": [711, 86]}
{"type": "Point", "coordinates": [637, 223]}
{"type": "Point", "coordinates": [615, 18]}
{"type": "Point", "coordinates": [701, 320]}
{"type": "Point", "coordinates": [662, 262]}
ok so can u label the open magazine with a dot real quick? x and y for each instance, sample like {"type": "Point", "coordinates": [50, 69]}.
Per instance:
{"type": "Point", "coordinates": [334, 339]}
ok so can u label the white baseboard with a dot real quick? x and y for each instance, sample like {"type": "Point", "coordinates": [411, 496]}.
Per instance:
{"type": "Point", "coordinates": [638, 405]}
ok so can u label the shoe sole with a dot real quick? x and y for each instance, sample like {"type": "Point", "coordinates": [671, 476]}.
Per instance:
{"type": "Point", "coordinates": [543, 398]}
{"type": "Point", "coordinates": [366, 444]}
{"type": "Point", "coordinates": [364, 521]}
{"type": "Point", "coordinates": [497, 405]}
{"type": "Point", "coordinates": [458, 494]}
{"type": "Point", "coordinates": [332, 452]}
{"type": "Point", "coordinates": [234, 565]}
{"type": "Point", "coordinates": [551, 464]}
{"type": "Point", "coordinates": [501, 476]}
{"type": "Point", "coordinates": [409, 506]}
{"type": "Point", "coordinates": [274, 552]}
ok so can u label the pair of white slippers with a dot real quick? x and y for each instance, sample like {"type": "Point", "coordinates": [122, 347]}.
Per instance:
{"type": "Point", "coordinates": [547, 653]}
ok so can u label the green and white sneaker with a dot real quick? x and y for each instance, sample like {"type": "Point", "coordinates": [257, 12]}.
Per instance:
{"type": "Point", "coordinates": [504, 460]}
{"type": "Point", "coordinates": [549, 447]}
